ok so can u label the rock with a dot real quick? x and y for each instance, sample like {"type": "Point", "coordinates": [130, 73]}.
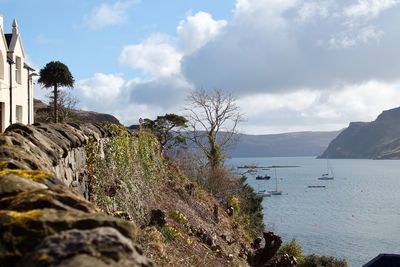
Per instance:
{"type": "Point", "coordinates": [262, 256]}
{"type": "Point", "coordinates": [53, 151]}
{"type": "Point", "coordinates": [256, 243]}
{"type": "Point", "coordinates": [29, 216]}
{"type": "Point", "coordinates": [215, 213]}
{"type": "Point", "coordinates": [58, 197]}
{"type": "Point", "coordinates": [100, 245]}
{"type": "Point", "coordinates": [13, 184]}
{"type": "Point", "coordinates": [157, 218]}
{"type": "Point", "coordinates": [228, 239]}
{"type": "Point", "coordinates": [230, 211]}
{"type": "Point", "coordinates": [282, 261]}
{"type": "Point", "coordinates": [190, 189]}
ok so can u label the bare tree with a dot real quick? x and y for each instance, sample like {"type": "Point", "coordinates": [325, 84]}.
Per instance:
{"type": "Point", "coordinates": [66, 106]}
{"type": "Point", "coordinates": [213, 120]}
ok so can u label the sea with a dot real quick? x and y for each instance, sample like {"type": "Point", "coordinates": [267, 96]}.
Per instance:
{"type": "Point", "coordinates": [355, 217]}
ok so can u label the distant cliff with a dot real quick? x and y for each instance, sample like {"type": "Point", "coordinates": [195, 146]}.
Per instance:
{"type": "Point", "coordinates": [283, 145]}
{"type": "Point", "coordinates": [379, 139]}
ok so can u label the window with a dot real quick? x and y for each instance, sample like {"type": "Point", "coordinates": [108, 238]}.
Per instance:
{"type": "Point", "coordinates": [18, 69]}
{"type": "Point", "coordinates": [18, 114]}
{"type": "Point", "coordinates": [1, 66]}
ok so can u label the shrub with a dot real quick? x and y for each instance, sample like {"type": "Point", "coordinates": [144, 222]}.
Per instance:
{"type": "Point", "coordinates": [326, 261]}
{"type": "Point", "coordinates": [250, 205]}
{"type": "Point", "coordinates": [292, 248]}
{"type": "Point", "coordinates": [170, 233]}
{"type": "Point", "coordinates": [178, 216]}
{"type": "Point", "coordinates": [234, 202]}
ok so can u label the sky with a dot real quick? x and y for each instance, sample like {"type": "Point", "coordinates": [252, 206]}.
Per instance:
{"type": "Point", "coordinates": [293, 65]}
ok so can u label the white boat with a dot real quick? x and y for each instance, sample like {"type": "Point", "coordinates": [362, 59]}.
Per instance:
{"type": "Point", "coordinates": [263, 193]}
{"type": "Point", "coordinates": [275, 192]}
{"type": "Point", "coordinates": [329, 172]}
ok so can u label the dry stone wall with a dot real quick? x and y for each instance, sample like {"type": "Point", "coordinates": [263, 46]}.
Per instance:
{"type": "Point", "coordinates": [43, 222]}
{"type": "Point", "coordinates": [59, 149]}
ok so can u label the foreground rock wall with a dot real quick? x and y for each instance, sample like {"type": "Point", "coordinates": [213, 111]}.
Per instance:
{"type": "Point", "coordinates": [59, 149]}
{"type": "Point", "coordinates": [42, 221]}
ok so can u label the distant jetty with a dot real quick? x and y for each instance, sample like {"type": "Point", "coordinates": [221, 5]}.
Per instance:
{"type": "Point", "coordinates": [266, 168]}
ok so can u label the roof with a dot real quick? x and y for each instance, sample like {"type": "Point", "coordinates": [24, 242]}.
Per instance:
{"type": "Point", "coordinates": [384, 260]}
{"type": "Point", "coordinates": [26, 66]}
{"type": "Point", "coordinates": [8, 38]}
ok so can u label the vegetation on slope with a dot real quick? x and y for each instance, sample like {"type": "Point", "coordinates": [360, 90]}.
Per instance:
{"type": "Point", "coordinates": [133, 181]}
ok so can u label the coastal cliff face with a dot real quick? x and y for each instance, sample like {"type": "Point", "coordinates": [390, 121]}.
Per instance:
{"type": "Point", "coordinates": [87, 195]}
{"type": "Point", "coordinates": [379, 139]}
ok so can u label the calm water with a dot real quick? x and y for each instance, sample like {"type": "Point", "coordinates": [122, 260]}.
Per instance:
{"type": "Point", "coordinates": [356, 217]}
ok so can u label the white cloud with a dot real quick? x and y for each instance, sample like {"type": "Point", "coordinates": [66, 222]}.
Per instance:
{"type": "Point", "coordinates": [259, 104]}
{"type": "Point", "coordinates": [362, 35]}
{"type": "Point", "coordinates": [195, 31]}
{"type": "Point", "coordinates": [294, 65]}
{"type": "Point", "coordinates": [267, 48]}
{"type": "Point", "coordinates": [155, 56]}
{"type": "Point", "coordinates": [105, 14]}
{"type": "Point", "coordinates": [369, 8]}
{"type": "Point", "coordinates": [364, 102]}
{"type": "Point", "coordinates": [101, 87]}
{"type": "Point", "coordinates": [255, 6]}
{"type": "Point", "coordinates": [317, 110]}
{"type": "Point", "coordinates": [129, 100]}
{"type": "Point", "coordinates": [314, 9]}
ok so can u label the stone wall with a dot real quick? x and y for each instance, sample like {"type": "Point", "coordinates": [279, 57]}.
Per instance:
{"type": "Point", "coordinates": [59, 149]}
{"type": "Point", "coordinates": [44, 223]}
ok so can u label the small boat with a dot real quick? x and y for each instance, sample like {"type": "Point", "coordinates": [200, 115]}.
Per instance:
{"type": "Point", "coordinates": [275, 192]}
{"type": "Point", "coordinates": [329, 174]}
{"type": "Point", "coordinates": [265, 177]}
{"type": "Point", "coordinates": [316, 186]}
{"type": "Point", "coordinates": [263, 193]}
{"type": "Point", "coordinates": [325, 177]}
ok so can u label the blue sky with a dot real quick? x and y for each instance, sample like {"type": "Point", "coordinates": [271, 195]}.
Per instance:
{"type": "Point", "coordinates": [293, 65]}
{"type": "Point", "coordinates": [58, 29]}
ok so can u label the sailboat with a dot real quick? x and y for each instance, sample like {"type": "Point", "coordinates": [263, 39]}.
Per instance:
{"type": "Point", "coordinates": [275, 192]}
{"type": "Point", "coordinates": [329, 172]}
{"type": "Point", "coordinates": [263, 193]}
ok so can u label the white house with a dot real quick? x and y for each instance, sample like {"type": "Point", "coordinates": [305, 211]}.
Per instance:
{"type": "Point", "coordinates": [16, 90]}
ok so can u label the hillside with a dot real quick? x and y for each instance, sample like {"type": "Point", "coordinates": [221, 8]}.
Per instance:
{"type": "Point", "coordinates": [89, 194]}
{"type": "Point", "coordinates": [283, 145]}
{"type": "Point", "coordinates": [379, 139]}
{"type": "Point", "coordinates": [82, 116]}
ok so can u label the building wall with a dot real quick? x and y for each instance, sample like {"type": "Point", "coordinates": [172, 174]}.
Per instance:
{"type": "Point", "coordinates": [4, 81]}
{"type": "Point", "coordinates": [19, 82]}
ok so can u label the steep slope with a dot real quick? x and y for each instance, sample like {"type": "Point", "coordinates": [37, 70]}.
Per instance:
{"type": "Point", "coordinates": [379, 139]}
{"type": "Point", "coordinates": [282, 145]}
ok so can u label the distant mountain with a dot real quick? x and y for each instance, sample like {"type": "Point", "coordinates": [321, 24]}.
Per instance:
{"type": "Point", "coordinates": [379, 139]}
{"type": "Point", "coordinates": [82, 115]}
{"type": "Point", "coordinates": [282, 145]}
